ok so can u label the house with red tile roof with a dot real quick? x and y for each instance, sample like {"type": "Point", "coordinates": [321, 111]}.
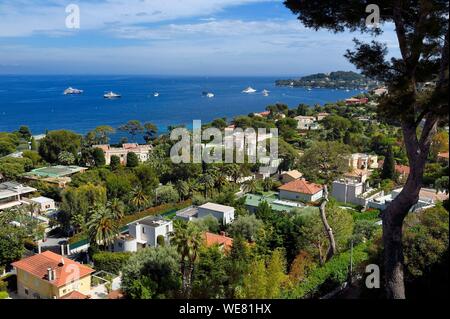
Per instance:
{"type": "Point", "coordinates": [301, 190]}
{"type": "Point", "coordinates": [225, 243]}
{"type": "Point", "coordinates": [443, 157]}
{"type": "Point", "coordinates": [52, 276]}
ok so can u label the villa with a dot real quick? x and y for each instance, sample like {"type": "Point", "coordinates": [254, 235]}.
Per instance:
{"type": "Point", "coordinates": [144, 233]}
{"type": "Point", "coordinates": [355, 101]}
{"type": "Point", "coordinates": [321, 116]}
{"type": "Point", "coordinates": [354, 191]}
{"type": "Point", "coordinates": [11, 194]}
{"type": "Point", "coordinates": [306, 122]}
{"type": "Point", "coordinates": [363, 161]}
{"type": "Point", "coordinates": [301, 190]}
{"type": "Point", "coordinates": [252, 202]}
{"type": "Point", "coordinates": [225, 214]}
{"type": "Point", "coordinates": [45, 204]}
{"type": "Point", "coordinates": [427, 198]}
{"type": "Point", "coordinates": [142, 152]}
{"type": "Point", "coordinates": [52, 276]}
{"type": "Point", "coordinates": [59, 174]}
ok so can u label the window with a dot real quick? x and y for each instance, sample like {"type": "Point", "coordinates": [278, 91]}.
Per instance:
{"type": "Point", "coordinates": [120, 245]}
{"type": "Point", "coordinates": [143, 230]}
{"type": "Point", "coordinates": [26, 291]}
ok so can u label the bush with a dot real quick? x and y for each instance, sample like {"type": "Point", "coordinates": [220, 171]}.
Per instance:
{"type": "Point", "coordinates": [110, 262]}
{"type": "Point", "coordinates": [370, 214]}
{"type": "Point", "coordinates": [4, 295]}
{"type": "Point", "coordinates": [333, 272]}
{"type": "Point", "coordinates": [160, 240]}
{"type": "Point", "coordinates": [132, 160]}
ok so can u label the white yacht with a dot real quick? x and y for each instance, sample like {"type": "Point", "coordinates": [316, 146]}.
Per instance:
{"type": "Point", "coordinates": [71, 90]}
{"type": "Point", "coordinates": [210, 95]}
{"type": "Point", "coordinates": [309, 89]}
{"type": "Point", "coordinates": [249, 90]}
{"type": "Point", "coordinates": [111, 95]}
{"type": "Point", "coordinates": [265, 92]}
{"type": "Point", "coordinates": [156, 94]}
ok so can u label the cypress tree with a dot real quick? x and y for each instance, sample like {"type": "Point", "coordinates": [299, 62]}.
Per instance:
{"type": "Point", "coordinates": [388, 171]}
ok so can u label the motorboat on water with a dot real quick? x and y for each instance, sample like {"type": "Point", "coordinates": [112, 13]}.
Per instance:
{"type": "Point", "coordinates": [156, 94]}
{"type": "Point", "coordinates": [70, 90]}
{"type": "Point", "coordinates": [249, 90]}
{"type": "Point", "coordinates": [208, 94]}
{"type": "Point", "coordinates": [265, 92]}
{"type": "Point", "coordinates": [111, 95]}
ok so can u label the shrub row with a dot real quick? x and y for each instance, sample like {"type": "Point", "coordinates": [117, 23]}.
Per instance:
{"type": "Point", "coordinates": [109, 261]}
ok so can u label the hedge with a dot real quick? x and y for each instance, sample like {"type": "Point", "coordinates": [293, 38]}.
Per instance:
{"type": "Point", "coordinates": [335, 270]}
{"type": "Point", "coordinates": [109, 261]}
{"type": "Point", "coordinates": [370, 214]}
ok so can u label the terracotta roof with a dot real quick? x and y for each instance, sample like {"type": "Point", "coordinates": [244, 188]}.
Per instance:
{"type": "Point", "coordinates": [301, 186]}
{"type": "Point", "coordinates": [38, 264]}
{"type": "Point", "coordinates": [115, 294]}
{"type": "Point", "coordinates": [213, 239]}
{"type": "Point", "coordinates": [402, 169]}
{"type": "Point", "coordinates": [265, 113]}
{"type": "Point", "coordinates": [75, 295]}
{"type": "Point", "coordinates": [293, 173]}
{"type": "Point", "coordinates": [443, 155]}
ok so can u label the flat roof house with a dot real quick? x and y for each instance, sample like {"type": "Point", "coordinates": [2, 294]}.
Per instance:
{"type": "Point", "coordinates": [11, 194]}
{"type": "Point", "coordinates": [58, 174]}
{"type": "Point", "coordinates": [45, 204]}
{"type": "Point", "coordinates": [142, 152]}
{"type": "Point", "coordinates": [52, 276]}
{"type": "Point", "coordinates": [143, 233]}
{"type": "Point", "coordinates": [224, 214]}
{"type": "Point", "coordinates": [301, 190]}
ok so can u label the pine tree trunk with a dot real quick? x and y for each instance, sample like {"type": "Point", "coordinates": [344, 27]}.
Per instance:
{"type": "Point", "coordinates": [332, 243]}
{"type": "Point", "coordinates": [395, 213]}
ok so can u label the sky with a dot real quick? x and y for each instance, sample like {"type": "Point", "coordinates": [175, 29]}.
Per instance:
{"type": "Point", "coordinates": [168, 37]}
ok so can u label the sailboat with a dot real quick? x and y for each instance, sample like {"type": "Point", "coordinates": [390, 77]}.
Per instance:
{"type": "Point", "coordinates": [265, 92]}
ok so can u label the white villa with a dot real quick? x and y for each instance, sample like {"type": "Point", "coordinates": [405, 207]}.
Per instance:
{"type": "Point", "coordinates": [306, 122]}
{"type": "Point", "coordinates": [363, 161]}
{"type": "Point", "coordinates": [142, 151]}
{"type": "Point", "coordinates": [11, 194]}
{"type": "Point", "coordinates": [144, 233]}
{"type": "Point", "coordinates": [225, 214]}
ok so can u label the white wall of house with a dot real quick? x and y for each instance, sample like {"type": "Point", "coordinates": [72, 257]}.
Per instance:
{"type": "Point", "coordinates": [149, 234]}
{"type": "Point", "coordinates": [284, 194]}
{"type": "Point", "coordinates": [347, 192]}
{"type": "Point", "coordinates": [225, 217]}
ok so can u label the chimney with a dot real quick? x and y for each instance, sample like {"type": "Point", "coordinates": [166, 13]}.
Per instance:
{"type": "Point", "coordinates": [49, 274]}
{"type": "Point", "coordinates": [53, 274]}
{"type": "Point", "coordinates": [62, 250]}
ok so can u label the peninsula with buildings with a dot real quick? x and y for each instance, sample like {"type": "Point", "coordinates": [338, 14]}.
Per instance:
{"type": "Point", "coordinates": [343, 80]}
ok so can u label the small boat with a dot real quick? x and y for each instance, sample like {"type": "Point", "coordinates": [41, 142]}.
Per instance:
{"type": "Point", "coordinates": [111, 95]}
{"type": "Point", "coordinates": [265, 92]}
{"type": "Point", "coordinates": [70, 90]}
{"type": "Point", "coordinates": [347, 90]}
{"type": "Point", "coordinates": [249, 90]}
{"type": "Point", "coordinates": [208, 94]}
{"type": "Point", "coordinates": [309, 89]}
{"type": "Point", "coordinates": [156, 94]}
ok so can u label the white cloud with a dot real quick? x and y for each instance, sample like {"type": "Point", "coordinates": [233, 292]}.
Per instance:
{"type": "Point", "coordinates": [23, 18]}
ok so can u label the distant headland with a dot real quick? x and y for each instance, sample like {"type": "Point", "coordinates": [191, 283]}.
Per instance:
{"type": "Point", "coordinates": [344, 80]}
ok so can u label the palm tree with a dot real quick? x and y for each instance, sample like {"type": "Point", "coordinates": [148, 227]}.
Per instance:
{"type": "Point", "coordinates": [250, 186]}
{"type": "Point", "coordinates": [267, 184]}
{"type": "Point", "coordinates": [182, 188]}
{"type": "Point", "coordinates": [208, 183]}
{"type": "Point", "coordinates": [150, 132]}
{"type": "Point", "coordinates": [193, 186]}
{"type": "Point", "coordinates": [221, 180]}
{"type": "Point", "coordinates": [117, 208]}
{"type": "Point", "coordinates": [187, 238]}
{"type": "Point", "coordinates": [234, 172]}
{"type": "Point", "coordinates": [139, 198]}
{"type": "Point", "coordinates": [102, 226]}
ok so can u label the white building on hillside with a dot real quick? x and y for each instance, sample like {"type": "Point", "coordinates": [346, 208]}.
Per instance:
{"type": "Point", "coordinates": [142, 152]}
{"type": "Point", "coordinates": [143, 233]}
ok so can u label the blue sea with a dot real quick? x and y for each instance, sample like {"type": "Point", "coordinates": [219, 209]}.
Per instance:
{"type": "Point", "coordinates": [38, 101]}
